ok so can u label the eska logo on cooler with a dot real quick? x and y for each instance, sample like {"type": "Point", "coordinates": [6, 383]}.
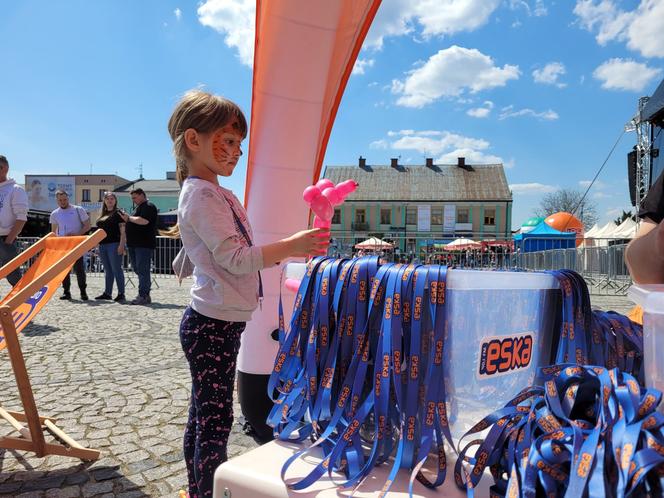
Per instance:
{"type": "Point", "coordinates": [501, 355]}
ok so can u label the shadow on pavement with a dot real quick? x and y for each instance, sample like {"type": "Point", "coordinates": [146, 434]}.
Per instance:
{"type": "Point", "coordinates": [89, 479]}
{"type": "Point", "coordinates": [37, 330]}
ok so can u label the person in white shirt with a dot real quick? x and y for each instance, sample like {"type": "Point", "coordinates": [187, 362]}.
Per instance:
{"type": "Point", "coordinates": [68, 220]}
{"type": "Point", "coordinates": [13, 216]}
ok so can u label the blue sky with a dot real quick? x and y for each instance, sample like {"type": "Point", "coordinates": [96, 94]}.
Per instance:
{"type": "Point", "coordinates": [543, 87]}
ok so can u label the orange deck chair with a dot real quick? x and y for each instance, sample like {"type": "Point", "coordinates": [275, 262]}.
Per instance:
{"type": "Point", "coordinates": [29, 295]}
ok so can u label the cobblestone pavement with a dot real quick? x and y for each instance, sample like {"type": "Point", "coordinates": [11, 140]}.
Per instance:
{"type": "Point", "coordinates": [115, 378]}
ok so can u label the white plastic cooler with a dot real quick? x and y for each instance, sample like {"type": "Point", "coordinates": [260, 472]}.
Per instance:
{"type": "Point", "coordinates": [651, 299]}
{"type": "Point", "coordinates": [258, 474]}
{"type": "Point", "coordinates": [501, 327]}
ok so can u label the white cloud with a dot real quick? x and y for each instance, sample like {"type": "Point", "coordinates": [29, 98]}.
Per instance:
{"type": "Point", "coordinates": [532, 188]}
{"type": "Point", "coordinates": [235, 20]}
{"type": "Point", "coordinates": [450, 73]}
{"type": "Point", "coordinates": [549, 74]}
{"type": "Point", "coordinates": [538, 10]}
{"type": "Point", "coordinates": [433, 17]}
{"type": "Point", "coordinates": [625, 74]}
{"type": "Point", "coordinates": [178, 13]}
{"type": "Point", "coordinates": [597, 184]}
{"type": "Point", "coordinates": [601, 195]}
{"type": "Point", "coordinates": [361, 65]}
{"type": "Point", "coordinates": [478, 112]}
{"type": "Point", "coordinates": [481, 112]}
{"type": "Point", "coordinates": [443, 145]}
{"type": "Point", "coordinates": [509, 112]}
{"type": "Point", "coordinates": [641, 28]}
{"type": "Point", "coordinates": [379, 144]}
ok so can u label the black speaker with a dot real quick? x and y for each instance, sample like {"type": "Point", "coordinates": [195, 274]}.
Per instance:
{"type": "Point", "coordinates": [631, 175]}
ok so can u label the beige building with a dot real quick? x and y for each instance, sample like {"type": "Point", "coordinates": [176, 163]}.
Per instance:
{"type": "Point", "coordinates": [418, 205]}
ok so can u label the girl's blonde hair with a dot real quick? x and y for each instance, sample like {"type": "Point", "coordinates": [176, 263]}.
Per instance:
{"type": "Point", "coordinates": [205, 113]}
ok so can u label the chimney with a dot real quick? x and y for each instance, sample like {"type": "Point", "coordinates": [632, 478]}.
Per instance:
{"type": "Point", "coordinates": [429, 162]}
{"type": "Point", "coordinates": [394, 162]}
{"type": "Point", "coordinates": [461, 162]}
{"type": "Point", "coordinates": [362, 162]}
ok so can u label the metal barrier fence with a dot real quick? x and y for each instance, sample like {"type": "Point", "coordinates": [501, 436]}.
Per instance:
{"type": "Point", "coordinates": [601, 263]}
{"type": "Point", "coordinates": [163, 256]}
{"type": "Point", "coordinates": [602, 266]}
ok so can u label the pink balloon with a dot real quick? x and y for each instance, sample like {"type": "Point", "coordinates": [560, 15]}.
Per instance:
{"type": "Point", "coordinates": [292, 284]}
{"type": "Point", "coordinates": [347, 187]}
{"type": "Point", "coordinates": [310, 193]}
{"type": "Point", "coordinates": [322, 208]}
{"type": "Point", "coordinates": [333, 196]}
{"type": "Point", "coordinates": [318, 223]}
{"type": "Point", "coordinates": [324, 183]}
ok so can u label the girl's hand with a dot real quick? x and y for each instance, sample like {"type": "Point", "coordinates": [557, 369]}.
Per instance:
{"type": "Point", "coordinates": [121, 250]}
{"type": "Point", "coordinates": [309, 242]}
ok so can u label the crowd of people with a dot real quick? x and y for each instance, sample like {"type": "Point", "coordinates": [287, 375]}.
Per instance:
{"type": "Point", "coordinates": [134, 234]}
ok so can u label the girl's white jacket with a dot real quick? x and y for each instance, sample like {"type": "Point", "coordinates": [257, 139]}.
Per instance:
{"type": "Point", "coordinates": [225, 266]}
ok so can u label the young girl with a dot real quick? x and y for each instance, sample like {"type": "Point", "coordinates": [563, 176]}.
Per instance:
{"type": "Point", "coordinates": [112, 248]}
{"type": "Point", "coordinates": [207, 131]}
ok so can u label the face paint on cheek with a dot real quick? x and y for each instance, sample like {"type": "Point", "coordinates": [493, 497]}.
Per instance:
{"type": "Point", "coordinates": [218, 152]}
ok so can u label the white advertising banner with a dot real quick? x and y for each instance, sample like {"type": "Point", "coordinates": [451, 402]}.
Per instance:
{"type": "Point", "coordinates": [424, 218]}
{"type": "Point", "coordinates": [449, 218]}
{"type": "Point", "coordinates": [41, 190]}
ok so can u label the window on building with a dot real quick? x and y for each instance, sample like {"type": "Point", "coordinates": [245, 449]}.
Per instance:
{"type": "Point", "coordinates": [386, 216]}
{"type": "Point", "coordinates": [86, 195]}
{"type": "Point", "coordinates": [463, 215]}
{"type": "Point", "coordinates": [411, 215]}
{"type": "Point", "coordinates": [360, 216]}
{"type": "Point", "coordinates": [336, 218]}
{"type": "Point", "coordinates": [437, 215]}
{"type": "Point", "coordinates": [489, 216]}
{"type": "Point", "coordinates": [101, 194]}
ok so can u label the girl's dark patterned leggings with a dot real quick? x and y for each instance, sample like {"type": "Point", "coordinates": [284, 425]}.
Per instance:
{"type": "Point", "coordinates": [211, 348]}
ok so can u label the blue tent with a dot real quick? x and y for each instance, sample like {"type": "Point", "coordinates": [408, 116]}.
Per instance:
{"type": "Point", "coordinates": [543, 237]}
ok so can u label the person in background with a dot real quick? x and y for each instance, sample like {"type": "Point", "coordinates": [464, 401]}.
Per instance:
{"type": "Point", "coordinates": [112, 248]}
{"type": "Point", "coordinates": [141, 241]}
{"type": "Point", "coordinates": [645, 254]}
{"type": "Point", "coordinates": [69, 220]}
{"type": "Point", "coordinates": [13, 216]}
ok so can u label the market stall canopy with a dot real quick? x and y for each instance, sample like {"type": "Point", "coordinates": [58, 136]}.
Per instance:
{"type": "Point", "coordinates": [373, 243]}
{"type": "Point", "coordinates": [626, 230]}
{"type": "Point", "coordinates": [543, 237]}
{"type": "Point", "coordinates": [462, 245]}
{"type": "Point", "coordinates": [591, 233]}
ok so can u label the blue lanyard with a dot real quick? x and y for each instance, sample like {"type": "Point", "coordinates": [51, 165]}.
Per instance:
{"type": "Point", "coordinates": [364, 349]}
{"type": "Point", "coordinates": [588, 431]}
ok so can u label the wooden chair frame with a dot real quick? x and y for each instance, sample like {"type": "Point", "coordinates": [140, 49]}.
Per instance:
{"type": "Point", "coordinates": [32, 436]}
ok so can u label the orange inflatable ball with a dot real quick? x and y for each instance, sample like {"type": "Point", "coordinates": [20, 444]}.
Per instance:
{"type": "Point", "coordinates": [566, 222]}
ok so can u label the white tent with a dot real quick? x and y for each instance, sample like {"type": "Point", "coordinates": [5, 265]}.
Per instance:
{"type": "Point", "coordinates": [373, 244]}
{"type": "Point", "coordinates": [462, 244]}
{"type": "Point", "coordinates": [626, 230]}
{"type": "Point", "coordinates": [591, 233]}
{"type": "Point", "coordinates": [605, 233]}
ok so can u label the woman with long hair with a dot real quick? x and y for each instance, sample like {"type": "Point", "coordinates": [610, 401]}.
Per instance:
{"type": "Point", "coordinates": [112, 248]}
